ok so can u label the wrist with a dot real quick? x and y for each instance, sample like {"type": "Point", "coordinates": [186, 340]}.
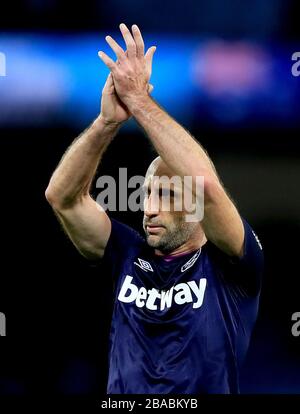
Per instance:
{"type": "Point", "coordinates": [136, 101]}
{"type": "Point", "coordinates": [102, 122]}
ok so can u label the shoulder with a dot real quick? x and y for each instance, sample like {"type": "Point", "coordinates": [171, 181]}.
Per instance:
{"type": "Point", "coordinates": [245, 271]}
{"type": "Point", "coordinates": [123, 240]}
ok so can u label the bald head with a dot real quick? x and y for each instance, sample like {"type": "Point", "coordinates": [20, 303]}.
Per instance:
{"type": "Point", "coordinates": [157, 169]}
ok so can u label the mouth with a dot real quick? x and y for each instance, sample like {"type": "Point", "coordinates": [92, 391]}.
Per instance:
{"type": "Point", "coordinates": [153, 229]}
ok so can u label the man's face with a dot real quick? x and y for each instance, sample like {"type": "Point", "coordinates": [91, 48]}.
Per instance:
{"type": "Point", "coordinates": [164, 220]}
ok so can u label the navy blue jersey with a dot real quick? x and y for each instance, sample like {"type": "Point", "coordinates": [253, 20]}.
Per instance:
{"type": "Point", "coordinates": [181, 326]}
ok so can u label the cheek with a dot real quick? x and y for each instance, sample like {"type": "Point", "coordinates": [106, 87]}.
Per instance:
{"type": "Point", "coordinates": [178, 204]}
{"type": "Point", "coordinates": [175, 219]}
{"type": "Point", "coordinates": [166, 219]}
{"type": "Point", "coordinates": [188, 202]}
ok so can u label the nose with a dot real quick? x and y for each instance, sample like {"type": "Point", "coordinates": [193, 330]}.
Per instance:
{"type": "Point", "coordinates": [151, 206]}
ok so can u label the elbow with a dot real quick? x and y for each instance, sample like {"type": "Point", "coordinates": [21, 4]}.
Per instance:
{"type": "Point", "coordinates": [57, 201]}
{"type": "Point", "coordinates": [49, 194]}
{"type": "Point", "coordinates": [51, 197]}
{"type": "Point", "coordinates": [60, 202]}
{"type": "Point", "coordinates": [211, 184]}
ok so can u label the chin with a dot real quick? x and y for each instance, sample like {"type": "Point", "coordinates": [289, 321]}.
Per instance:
{"type": "Point", "coordinates": [152, 240]}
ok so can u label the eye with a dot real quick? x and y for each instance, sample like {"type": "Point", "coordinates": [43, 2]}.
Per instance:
{"type": "Point", "coordinates": [165, 192]}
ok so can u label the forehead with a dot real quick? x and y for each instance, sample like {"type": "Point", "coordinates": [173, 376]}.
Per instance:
{"type": "Point", "coordinates": [160, 174]}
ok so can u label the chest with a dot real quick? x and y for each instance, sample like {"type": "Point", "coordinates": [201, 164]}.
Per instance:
{"type": "Point", "coordinates": [156, 286]}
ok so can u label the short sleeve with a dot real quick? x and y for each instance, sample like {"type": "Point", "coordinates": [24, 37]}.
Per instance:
{"type": "Point", "coordinates": [122, 244]}
{"type": "Point", "coordinates": [245, 272]}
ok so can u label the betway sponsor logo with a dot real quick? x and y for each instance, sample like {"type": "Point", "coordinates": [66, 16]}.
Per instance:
{"type": "Point", "coordinates": [153, 299]}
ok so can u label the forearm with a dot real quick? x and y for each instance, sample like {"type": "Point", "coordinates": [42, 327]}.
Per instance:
{"type": "Point", "coordinates": [174, 144]}
{"type": "Point", "coordinates": [74, 174]}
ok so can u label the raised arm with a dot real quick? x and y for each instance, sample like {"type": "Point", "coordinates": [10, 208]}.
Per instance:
{"type": "Point", "coordinates": [68, 192]}
{"type": "Point", "coordinates": [222, 223]}
{"type": "Point", "coordinates": [86, 224]}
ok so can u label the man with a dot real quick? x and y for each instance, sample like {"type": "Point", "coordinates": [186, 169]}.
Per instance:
{"type": "Point", "coordinates": [186, 298]}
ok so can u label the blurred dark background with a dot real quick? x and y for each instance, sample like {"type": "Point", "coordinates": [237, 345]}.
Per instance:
{"type": "Point", "coordinates": [223, 69]}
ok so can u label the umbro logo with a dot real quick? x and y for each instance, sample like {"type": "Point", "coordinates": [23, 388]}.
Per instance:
{"type": "Point", "coordinates": [190, 262]}
{"type": "Point", "coordinates": [144, 265]}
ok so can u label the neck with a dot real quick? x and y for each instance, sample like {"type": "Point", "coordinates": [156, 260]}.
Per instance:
{"type": "Point", "coordinates": [189, 246]}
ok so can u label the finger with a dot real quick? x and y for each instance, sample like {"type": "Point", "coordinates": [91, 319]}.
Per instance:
{"type": "Point", "coordinates": [149, 54]}
{"type": "Point", "coordinates": [130, 43]}
{"type": "Point", "coordinates": [116, 48]}
{"type": "Point", "coordinates": [109, 85]}
{"type": "Point", "coordinates": [107, 61]}
{"type": "Point", "coordinates": [109, 81]}
{"type": "Point", "coordinates": [149, 57]}
{"type": "Point", "coordinates": [138, 38]}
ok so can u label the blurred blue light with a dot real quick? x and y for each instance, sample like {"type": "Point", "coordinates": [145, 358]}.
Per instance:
{"type": "Point", "coordinates": [58, 79]}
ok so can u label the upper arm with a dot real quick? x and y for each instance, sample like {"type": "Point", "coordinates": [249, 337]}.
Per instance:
{"type": "Point", "coordinates": [87, 225]}
{"type": "Point", "coordinates": [222, 223]}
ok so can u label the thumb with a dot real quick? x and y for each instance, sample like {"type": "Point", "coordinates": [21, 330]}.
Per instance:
{"type": "Point", "coordinates": [109, 84]}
